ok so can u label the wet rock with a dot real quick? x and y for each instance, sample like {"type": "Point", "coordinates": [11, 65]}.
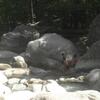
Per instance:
{"type": "Point", "coordinates": [42, 73]}
{"type": "Point", "coordinates": [52, 52]}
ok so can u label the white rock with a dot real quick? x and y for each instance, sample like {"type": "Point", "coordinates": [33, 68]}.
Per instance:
{"type": "Point", "coordinates": [4, 90]}
{"type": "Point", "coordinates": [13, 81]}
{"type": "Point", "coordinates": [20, 95]}
{"type": "Point", "coordinates": [23, 81]}
{"type": "Point", "coordinates": [48, 86]}
{"type": "Point", "coordinates": [37, 88]}
{"type": "Point", "coordinates": [53, 86]}
{"type": "Point", "coordinates": [16, 72]}
{"type": "Point", "coordinates": [18, 87]}
{"type": "Point", "coordinates": [3, 78]}
{"type": "Point", "coordinates": [80, 95]}
{"type": "Point", "coordinates": [20, 62]}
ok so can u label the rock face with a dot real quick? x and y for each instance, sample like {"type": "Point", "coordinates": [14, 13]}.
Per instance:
{"type": "Point", "coordinates": [90, 60]}
{"type": "Point", "coordinates": [52, 52]}
{"type": "Point", "coordinates": [17, 40]}
{"type": "Point", "coordinates": [94, 30]}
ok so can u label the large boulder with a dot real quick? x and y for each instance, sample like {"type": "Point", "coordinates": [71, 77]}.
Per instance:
{"type": "Point", "coordinates": [17, 40]}
{"type": "Point", "coordinates": [52, 51]}
{"type": "Point", "coordinates": [90, 60]}
{"type": "Point", "coordinates": [94, 30]}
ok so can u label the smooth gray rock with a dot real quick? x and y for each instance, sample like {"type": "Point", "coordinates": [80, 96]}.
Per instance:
{"type": "Point", "coordinates": [52, 51]}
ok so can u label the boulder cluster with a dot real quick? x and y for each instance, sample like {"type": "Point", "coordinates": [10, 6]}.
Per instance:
{"type": "Point", "coordinates": [31, 65]}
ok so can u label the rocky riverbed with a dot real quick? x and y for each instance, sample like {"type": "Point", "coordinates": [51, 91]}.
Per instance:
{"type": "Point", "coordinates": [20, 84]}
{"type": "Point", "coordinates": [44, 68]}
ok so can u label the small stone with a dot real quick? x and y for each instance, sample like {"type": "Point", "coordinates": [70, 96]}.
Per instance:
{"type": "Point", "coordinates": [13, 81]}
{"type": "Point", "coordinates": [18, 87]}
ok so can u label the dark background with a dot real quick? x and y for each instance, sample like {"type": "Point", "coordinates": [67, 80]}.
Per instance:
{"type": "Point", "coordinates": [70, 18]}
